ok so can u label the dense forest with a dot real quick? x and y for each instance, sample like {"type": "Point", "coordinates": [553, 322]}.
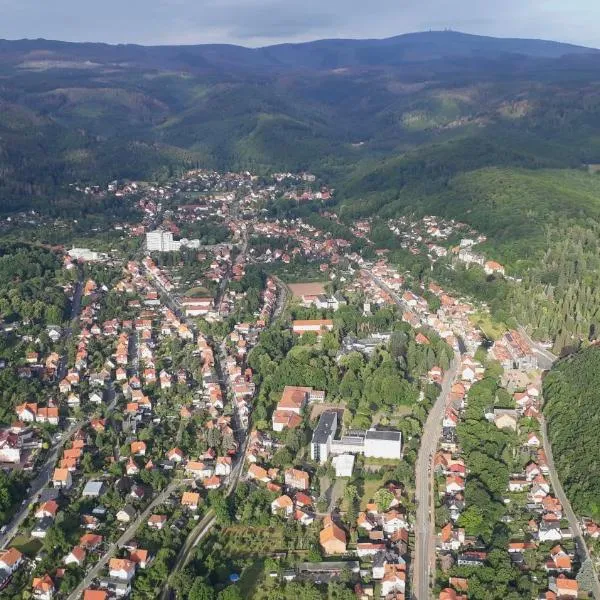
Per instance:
{"type": "Point", "coordinates": [572, 410]}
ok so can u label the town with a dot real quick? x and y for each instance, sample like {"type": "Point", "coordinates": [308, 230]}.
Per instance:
{"type": "Point", "coordinates": [242, 399]}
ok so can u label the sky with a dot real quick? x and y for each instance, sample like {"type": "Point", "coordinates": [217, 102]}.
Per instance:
{"type": "Point", "coordinates": [263, 22]}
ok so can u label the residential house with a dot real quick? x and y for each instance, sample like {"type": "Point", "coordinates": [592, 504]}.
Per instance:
{"type": "Point", "coordinates": [126, 514]}
{"type": "Point", "coordinates": [394, 579]}
{"type": "Point", "coordinates": [198, 470]}
{"type": "Point", "coordinates": [190, 500]}
{"type": "Point", "coordinates": [10, 560]}
{"type": "Point", "coordinates": [282, 506]}
{"type": "Point", "coordinates": [62, 479]}
{"type": "Point", "coordinates": [157, 521]}
{"type": "Point", "coordinates": [138, 448]}
{"type": "Point", "coordinates": [297, 479]}
{"type": "Point", "coordinates": [559, 560]}
{"type": "Point", "coordinates": [90, 541]}
{"type": "Point", "coordinates": [212, 483]}
{"type": "Point", "coordinates": [48, 414]}
{"type": "Point", "coordinates": [223, 467]}
{"type": "Point", "coordinates": [121, 568]}
{"type": "Point", "coordinates": [564, 587]}
{"type": "Point", "coordinates": [76, 556]}
{"type": "Point", "coordinates": [450, 594]}
{"type": "Point", "coordinates": [27, 412]}
{"type": "Point", "coordinates": [47, 510]}
{"type": "Point", "coordinates": [332, 537]}
{"type": "Point", "coordinates": [451, 538]}
{"type": "Point", "coordinates": [41, 527]}
{"type": "Point", "coordinates": [175, 455]}
{"type": "Point", "coordinates": [505, 418]}
{"type": "Point", "coordinates": [95, 595]}
{"type": "Point", "coordinates": [549, 531]}
{"type": "Point", "coordinates": [258, 473]}
{"type": "Point", "coordinates": [139, 557]}
{"type": "Point", "coordinates": [43, 588]}
{"type": "Point", "coordinates": [454, 484]}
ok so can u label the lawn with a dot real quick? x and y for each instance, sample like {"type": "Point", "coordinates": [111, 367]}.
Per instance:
{"type": "Point", "coordinates": [250, 578]}
{"type": "Point", "coordinates": [491, 329]}
{"type": "Point", "coordinates": [197, 292]}
{"type": "Point", "coordinates": [370, 487]}
{"type": "Point", "coordinates": [28, 546]}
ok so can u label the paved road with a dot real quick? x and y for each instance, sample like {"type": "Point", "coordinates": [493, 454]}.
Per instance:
{"type": "Point", "coordinates": [68, 332]}
{"type": "Point", "coordinates": [545, 357]}
{"type": "Point", "coordinates": [37, 485]}
{"type": "Point", "coordinates": [423, 570]}
{"type": "Point", "coordinates": [127, 535]}
{"type": "Point", "coordinates": [582, 549]}
{"type": "Point", "coordinates": [47, 468]}
{"type": "Point", "coordinates": [424, 555]}
{"type": "Point", "coordinates": [206, 524]}
{"type": "Point", "coordinates": [45, 473]}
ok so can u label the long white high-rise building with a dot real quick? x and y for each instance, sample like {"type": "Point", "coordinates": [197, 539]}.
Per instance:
{"type": "Point", "coordinates": [159, 241]}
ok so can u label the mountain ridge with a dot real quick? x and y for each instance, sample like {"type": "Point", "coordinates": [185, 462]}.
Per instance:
{"type": "Point", "coordinates": [329, 53]}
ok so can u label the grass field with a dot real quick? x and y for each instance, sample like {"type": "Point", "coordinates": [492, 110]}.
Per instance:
{"type": "Point", "coordinates": [492, 329]}
{"type": "Point", "coordinates": [250, 577]}
{"type": "Point", "coordinates": [370, 487]}
{"type": "Point", "coordinates": [28, 546]}
{"type": "Point", "coordinates": [197, 291]}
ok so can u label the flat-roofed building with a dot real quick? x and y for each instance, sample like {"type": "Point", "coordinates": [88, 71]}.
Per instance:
{"type": "Point", "coordinates": [383, 444]}
{"type": "Point", "coordinates": [323, 435]}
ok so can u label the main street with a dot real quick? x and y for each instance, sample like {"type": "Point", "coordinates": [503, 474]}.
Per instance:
{"type": "Point", "coordinates": [423, 568]}
{"type": "Point", "coordinates": [424, 555]}
{"type": "Point", "coordinates": [209, 520]}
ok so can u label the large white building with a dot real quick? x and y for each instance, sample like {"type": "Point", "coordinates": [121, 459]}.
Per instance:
{"type": "Point", "coordinates": [372, 443]}
{"type": "Point", "coordinates": [85, 254]}
{"type": "Point", "coordinates": [162, 241]}
{"type": "Point", "coordinates": [383, 444]}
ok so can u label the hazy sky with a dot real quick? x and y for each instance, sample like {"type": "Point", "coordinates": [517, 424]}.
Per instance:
{"type": "Point", "coordinates": [261, 22]}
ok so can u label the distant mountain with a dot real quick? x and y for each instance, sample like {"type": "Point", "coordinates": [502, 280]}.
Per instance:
{"type": "Point", "coordinates": [321, 54]}
{"type": "Point", "coordinates": [390, 123]}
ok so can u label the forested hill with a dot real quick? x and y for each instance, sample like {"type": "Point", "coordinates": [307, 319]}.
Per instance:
{"type": "Point", "coordinates": [504, 134]}
{"type": "Point", "coordinates": [371, 116]}
{"type": "Point", "coordinates": [321, 54]}
{"type": "Point", "coordinates": [572, 408]}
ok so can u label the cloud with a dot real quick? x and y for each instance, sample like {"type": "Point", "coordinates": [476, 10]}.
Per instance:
{"type": "Point", "coordinates": [259, 22]}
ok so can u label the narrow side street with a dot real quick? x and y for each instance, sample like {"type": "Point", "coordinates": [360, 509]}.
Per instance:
{"type": "Point", "coordinates": [582, 548]}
